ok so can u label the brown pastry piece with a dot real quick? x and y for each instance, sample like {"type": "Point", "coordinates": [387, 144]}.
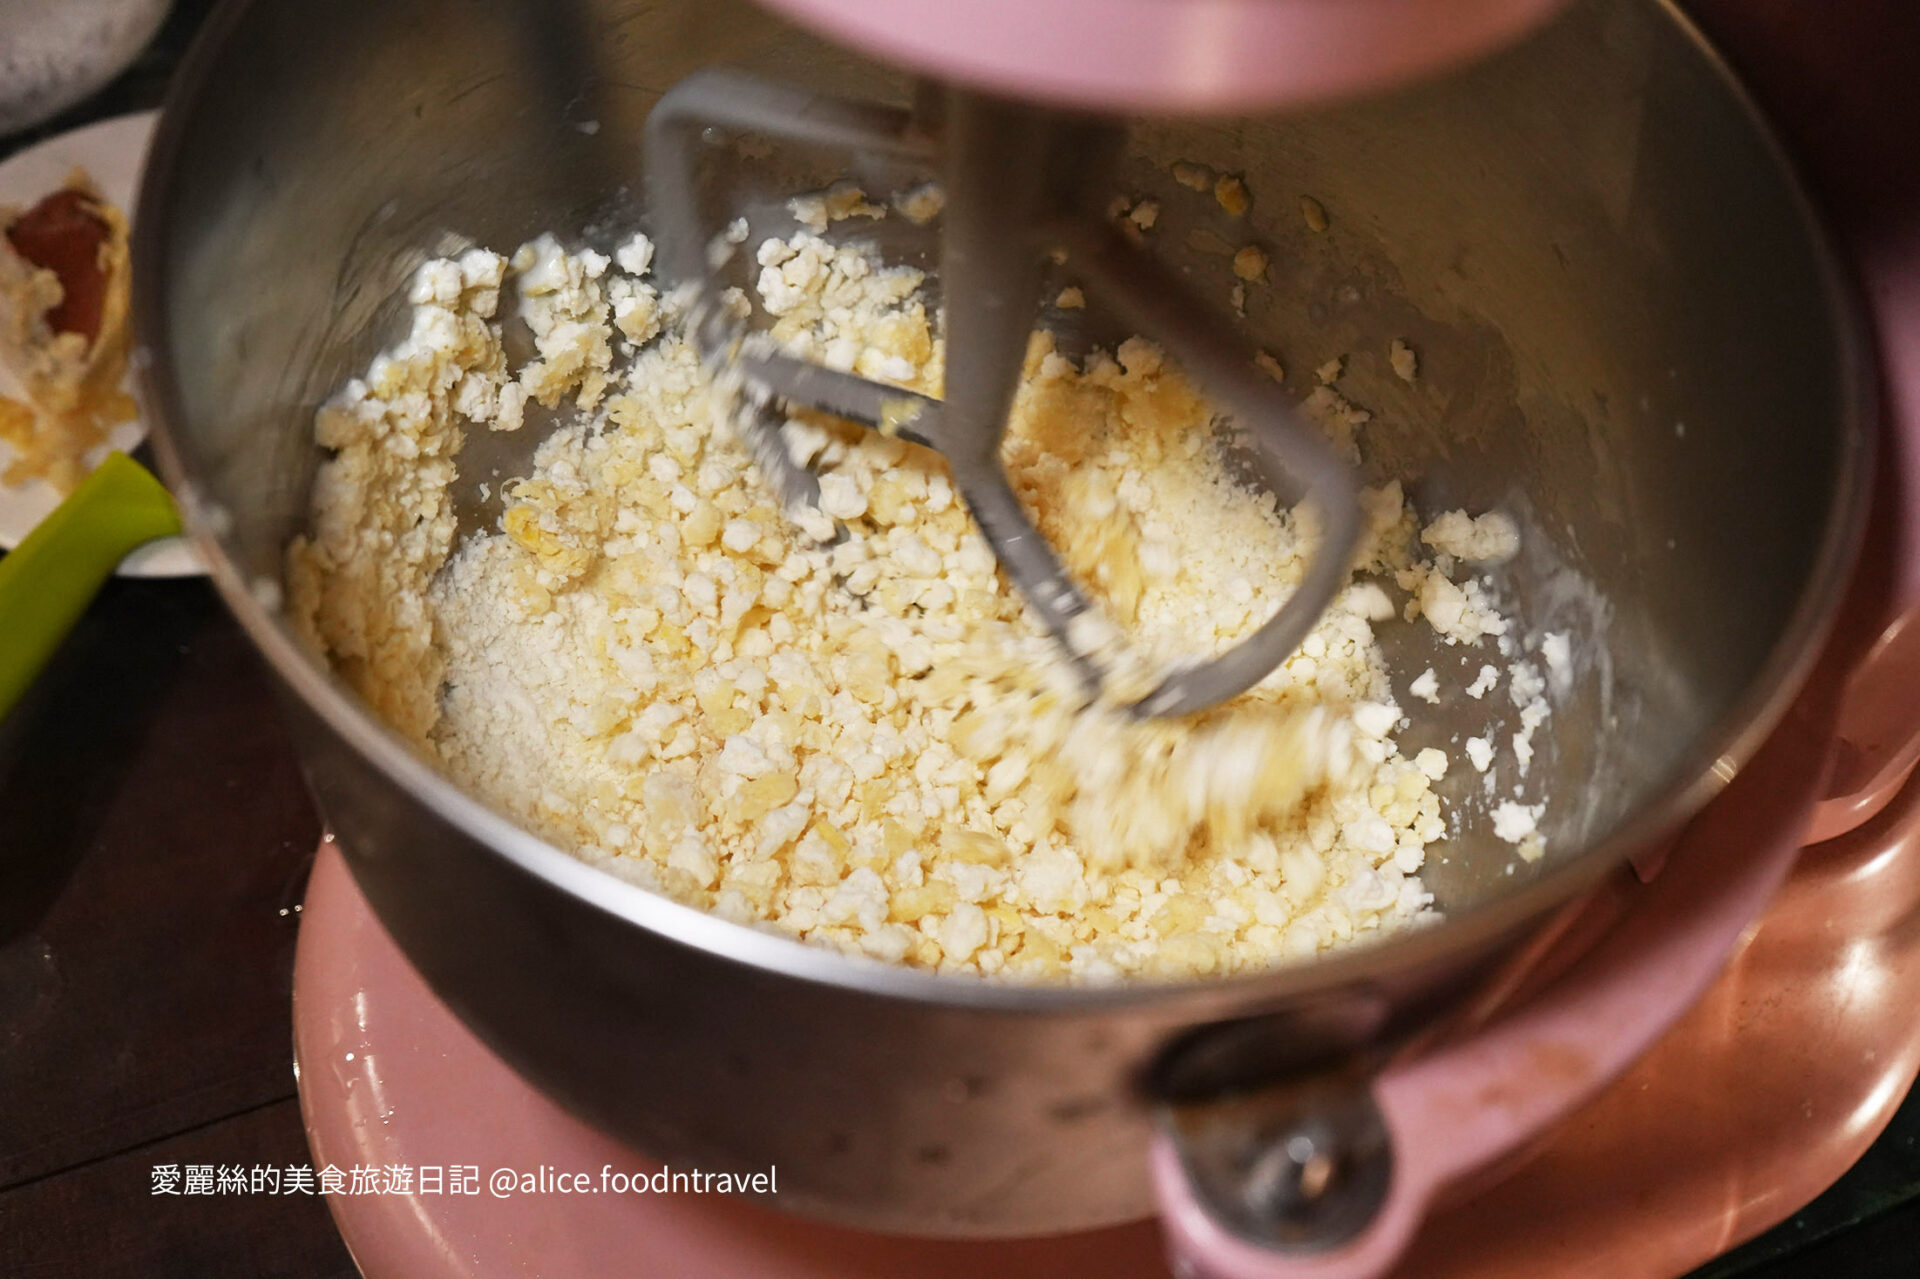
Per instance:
{"type": "Point", "coordinates": [66, 234]}
{"type": "Point", "coordinates": [64, 294]}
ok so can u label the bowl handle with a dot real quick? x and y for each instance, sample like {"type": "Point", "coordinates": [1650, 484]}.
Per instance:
{"type": "Point", "coordinates": [1878, 734]}
{"type": "Point", "coordinates": [1464, 1105]}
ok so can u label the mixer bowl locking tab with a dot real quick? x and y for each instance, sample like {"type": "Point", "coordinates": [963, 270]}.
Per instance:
{"type": "Point", "coordinates": [1280, 1141]}
{"type": "Point", "coordinates": [1300, 1167]}
{"type": "Point", "coordinates": [1021, 181]}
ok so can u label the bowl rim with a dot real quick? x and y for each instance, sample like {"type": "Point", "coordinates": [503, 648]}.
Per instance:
{"type": "Point", "coordinates": [1728, 744]}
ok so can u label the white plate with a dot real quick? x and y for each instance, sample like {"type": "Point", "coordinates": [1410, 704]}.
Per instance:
{"type": "Point", "coordinates": [113, 153]}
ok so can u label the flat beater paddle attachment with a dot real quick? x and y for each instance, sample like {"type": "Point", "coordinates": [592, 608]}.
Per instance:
{"type": "Point", "coordinates": [1021, 182]}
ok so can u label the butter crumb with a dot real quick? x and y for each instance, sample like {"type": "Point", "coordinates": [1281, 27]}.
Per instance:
{"type": "Point", "coordinates": [1231, 193]}
{"type": "Point", "coordinates": [1400, 356]}
{"type": "Point", "coordinates": [1194, 177]}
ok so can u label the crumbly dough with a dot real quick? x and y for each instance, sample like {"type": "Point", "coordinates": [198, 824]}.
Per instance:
{"type": "Point", "coordinates": [1492, 538]}
{"type": "Point", "coordinates": [1231, 193]}
{"type": "Point", "coordinates": [1426, 687]}
{"type": "Point", "coordinates": [1194, 177]}
{"type": "Point", "coordinates": [1405, 364]}
{"type": "Point", "coordinates": [868, 742]}
{"type": "Point", "coordinates": [1483, 682]}
{"type": "Point", "coordinates": [1516, 823]}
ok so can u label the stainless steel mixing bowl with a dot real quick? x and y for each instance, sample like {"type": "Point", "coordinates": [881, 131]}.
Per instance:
{"type": "Point", "coordinates": [1631, 333]}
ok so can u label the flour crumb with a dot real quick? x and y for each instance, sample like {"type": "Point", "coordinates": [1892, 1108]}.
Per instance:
{"type": "Point", "coordinates": [1558, 654]}
{"type": "Point", "coordinates": [1194, 177]}
{"type": "Point", "coordinates": [1517, 824]}
{"type": "Point", "coordinates": [1406, 366]}
{"type": "Point", "coordinates": [1426, 687]}
{"type": "Point", "coordinates": [921, 204]}
{"type": "Point", "coordinates": [1484, 682]}
{"type": "Point", "coordinates": [1492, 538]}
{"type": "Point", "coordinates": [1528, 691]}
{"type": "Point", "coordinates": [635, 257]}
{"type": "Point", "coordinates": [843, 200]}
{"type": "Point", "coordinates": [1460, 614]}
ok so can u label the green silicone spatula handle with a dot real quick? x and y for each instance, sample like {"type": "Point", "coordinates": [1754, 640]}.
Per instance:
{"type": "Point", "coordinates": [48, 580]}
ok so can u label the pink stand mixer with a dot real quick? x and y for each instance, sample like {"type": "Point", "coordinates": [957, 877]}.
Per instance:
{"type": "Point", "coordinates": [1345, 1174]}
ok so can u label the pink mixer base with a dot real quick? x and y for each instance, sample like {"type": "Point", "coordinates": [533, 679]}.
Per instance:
{"type": "Point", "coordinates": [1758, 1099]}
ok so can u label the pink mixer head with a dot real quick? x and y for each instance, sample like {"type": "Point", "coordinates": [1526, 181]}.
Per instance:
{"type": "Point", "coordinates": [1172, 56]}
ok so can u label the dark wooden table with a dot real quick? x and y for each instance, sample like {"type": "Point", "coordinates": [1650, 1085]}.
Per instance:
{"type": "Point", "coordinates": [155, 839]}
